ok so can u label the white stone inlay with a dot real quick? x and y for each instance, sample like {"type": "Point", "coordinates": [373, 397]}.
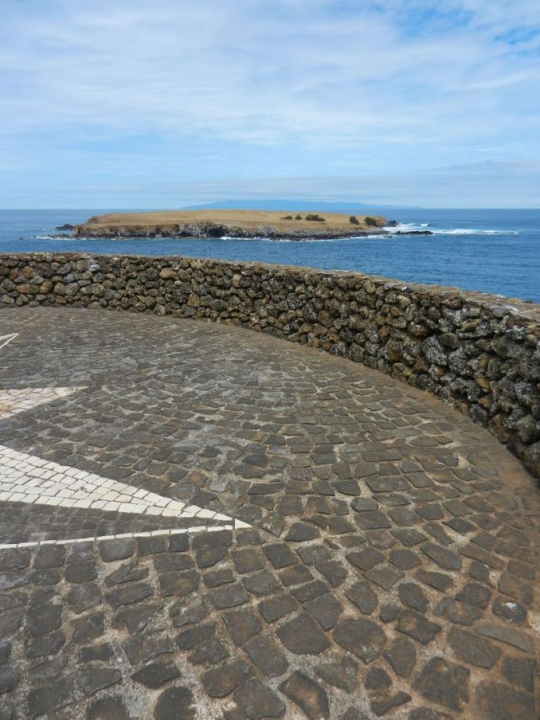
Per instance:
{"type": "Point", "coordinates": [5, 339]}
{"type": "Point", "coordinates": [29, 479]}
{"type": "Point", "coordinates": [14, 400]}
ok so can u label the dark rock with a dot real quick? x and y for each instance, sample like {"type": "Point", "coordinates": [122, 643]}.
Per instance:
{"type": "Point", "coordinates": [42, 619]}
{"type": "Point", "coordinates": [5, 651]}
{"type": "Point", "coordinates": [280, 555]}
{"type": "Point", "coordinates": [413, 597]}
{"type": "Point", "coordinates": [10, 621]}
{"type": "Point", "coordinates": [179, 543]}
{"type": "Point", "coordinates": [208, 557]}
{"type": "Point", "coordinates": [325, 610]}
{"type": "Point", "coordinates": [248, 560]}
{"type": "Point", "coordinates": [381, 705]}
{"type": "Point", "coordinates": [372, 520]}
{"type": "Point", "coordinates": [117, 549]}
{"type": "Point", "coordinates": [218, 577]}
{"type": "Point", "coordinates": [277, 607]}
{"type": "Point", "coordinates": [155, 675]}
{"type": "Point", "coordinates": [14, 558]}
{"type": "Point", "coordinates": [362, 637]}
{"type": "Point", "coordinates": [295, 574]}
{"type": "Point", "coordinates": [386, 575]}
{"type": "Point", "coordinates": [310, 590]}
{"type": "Point", "coordinates": [176, 702]}
{"type": "Point", "coordinates": [83, 597]}
{"type": "Point", "coordinates": [364, 504]}
{"type": "Point", "coordinates": [340, 674]}
{"type": "Point", "coordinates": [179, 583]}
{"type": "Point", "coordinates": [49, 669]}
{"type": "Point", "coordinates": [506, 634]}
{"type": "Point", "coordinates": [417, 626]}
{"type": "Point", "coordinates": [333, 571]}
{"type": "Point", "coordinates": [80, 572]}
{"type": "Point", "coordinates": [221, 681]}
{"type": "Point", "coordinates": [242, 624]}
{"type": "Point", "coordinates": [444, 683]}
{"type": "Point", "coordinates": [516, 588]}
{"type": "Point", "coordinates": [303, 636]}
{"type": "Point", "coordinates": [436, 580]}
{"type": "Point", "coordinates": [190, 637]}
{"type": "Point", "coordinates": [425, 713]}
{"type": "Point", "coordinates": [475, 594]}
{"type": "Point", "coordinates": [365, 559]}
{"type": "Point", "coordinates": [108, 708]}
{"type": "Point", "coordinates": [8, 680]}
{"type": "Point", "coordinates": [519, 671]}
{"type": "Point", "coordinates": [500, 702]}
{"type": "Point", "coordinates": [408, 536]}
{"type": "Point", "coordinates": [363, 597]}
{"type": "Point", "coordinates": [447, 559]}
{"type": "Point", "coordinates": [50, 556]}
{"type": "Point", "coordinates": [312, 554]}
{"type": "Point", "coordinates": [307, 694]}
{"type": "Point", "coordinates": [129, 594]}
{"type": "Point", "coordinates": [46, 645]}
{"type": "Point", "coordinates": [404, 559]}
{"type": "Point", "coordinates": [473, 650]}
{"type": "Point", "coordinates": [151, 545]}
{"type": "Point", "coordinates": [189, 611]}
{"type": "Point", "coordinates": [389, 612]}
{"type": "Point", "coordinates": [94, 678]}
{"type": "Point", "coordinates": [300, 532]}
{"type": "Point", "coordinates": [95, 652]}
{"type": "Point", "coordinates": [88, 628]}
{"type": "Point", "coordinates": [262, 583]}
{"type": "Point", "coordinates": [377, 679]}
{"type": "Point", "coordinates": [402, 656]}
{"type": "Point", "coordinates": [143, 649]}
{"type": "Point", "coordinates": [457, 612]}
{"type": "Point", "coordinates": [229, 596]}
{"type": "Point", "coordinates": [258, 701]}
{"type": "Point", "coordinates": [265, 654]}
{"type": "Point", "coordinates": [209, 652]}
{"type": "Point", "coordinates": [45, 700]}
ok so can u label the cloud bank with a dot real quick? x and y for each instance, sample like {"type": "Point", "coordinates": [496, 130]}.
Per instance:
{"type": "Point", "coordinates": [132, 104]}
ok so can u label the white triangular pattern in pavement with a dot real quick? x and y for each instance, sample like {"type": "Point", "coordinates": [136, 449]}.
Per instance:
{"type": "Point", "coordinates": [16, 400]}
{"type": "Point", "coordinates": [29, 479]}
{"type": "Point", "coordinates": [5, 339]}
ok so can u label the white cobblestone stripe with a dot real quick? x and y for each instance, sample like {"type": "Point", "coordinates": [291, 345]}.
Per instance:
{"type": "Point", "coordinates": [14, 400]}
{"type": "Point", "coordinates": [29, 479]}
{"type": "Point", "coordinates": [5, 339]}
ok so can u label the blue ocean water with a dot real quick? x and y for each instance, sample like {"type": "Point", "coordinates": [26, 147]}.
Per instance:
{"type": "Point", "coordinates": [495, 251]}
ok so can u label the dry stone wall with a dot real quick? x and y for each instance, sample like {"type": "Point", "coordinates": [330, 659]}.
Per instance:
{"type": "Point", "coordinates": [479, 352]}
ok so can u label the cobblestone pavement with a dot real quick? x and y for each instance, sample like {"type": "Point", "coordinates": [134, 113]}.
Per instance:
{"type": "Point", "coordinates": [384, 565]}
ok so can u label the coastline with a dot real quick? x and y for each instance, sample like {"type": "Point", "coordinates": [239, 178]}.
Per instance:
{"type": "Point", "coordinates": [231, 223]}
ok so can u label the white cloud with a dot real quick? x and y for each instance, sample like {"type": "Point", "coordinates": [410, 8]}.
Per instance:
{"type": "Point", "coordinates": [249, 88]}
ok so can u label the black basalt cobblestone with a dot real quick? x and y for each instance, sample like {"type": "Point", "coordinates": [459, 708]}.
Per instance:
{"type": "Point", "coordinates": [424, 610]}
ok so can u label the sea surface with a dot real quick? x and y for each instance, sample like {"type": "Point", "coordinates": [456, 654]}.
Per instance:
{"type": "Point", "coordinates": [495, 251]}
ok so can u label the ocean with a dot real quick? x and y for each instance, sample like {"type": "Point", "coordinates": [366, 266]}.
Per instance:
{"type": "Point", "coordinates": [494, 251]}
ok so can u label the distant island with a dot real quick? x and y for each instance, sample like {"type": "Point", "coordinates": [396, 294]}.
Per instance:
{"type": "Point", "coordinates": [233, 223]}
{"type": "Point", "coordinates": [236, 223]}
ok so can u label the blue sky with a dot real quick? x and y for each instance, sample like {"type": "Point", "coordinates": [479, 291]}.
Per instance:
{"type": "Point", "coordinates": [162, 104]}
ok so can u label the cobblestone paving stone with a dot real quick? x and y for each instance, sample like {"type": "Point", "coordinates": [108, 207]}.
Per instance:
{"type": "Point", "coordinates": [389, 570]}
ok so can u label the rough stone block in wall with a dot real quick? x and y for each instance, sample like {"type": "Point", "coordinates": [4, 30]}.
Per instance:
{"type": "Point", "coordinates": [479, 352]}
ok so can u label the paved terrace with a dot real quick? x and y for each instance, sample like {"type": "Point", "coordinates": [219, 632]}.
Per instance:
{"type": "Point", "coordinates": [198, 521]}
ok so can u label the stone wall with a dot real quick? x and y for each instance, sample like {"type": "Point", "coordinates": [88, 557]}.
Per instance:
{"type": "Point", "coordinates": [479, 352]}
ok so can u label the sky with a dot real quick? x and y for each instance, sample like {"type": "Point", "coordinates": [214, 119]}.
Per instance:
{"type": "Point", "coordinates": [135, 104]}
